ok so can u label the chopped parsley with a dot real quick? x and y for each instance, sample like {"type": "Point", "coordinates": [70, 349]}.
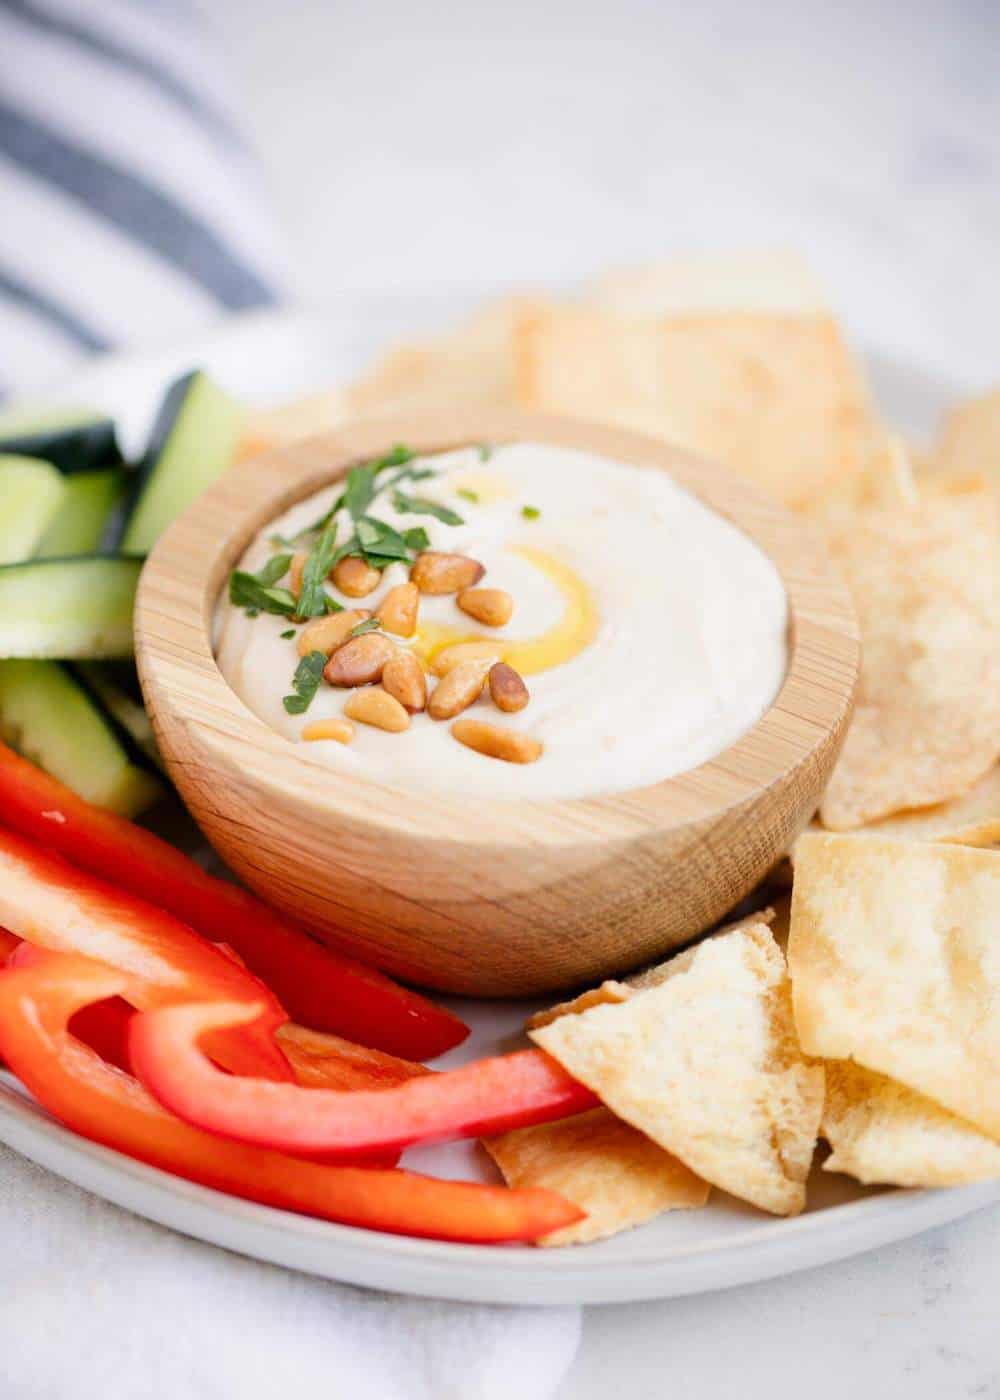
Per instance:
{"type": "Point", "coordinates": [485, 451]}
{"type": "Point", "coordinates": [468, 495]}
{"type": "Point", "coordinates": [290, 633]}
{"type": "Point", "coordinates": [530, 512]}
{"type": "Point", "coordinates": [420, 505]}
{"type": "Point", "coordinates": [371, 539]}
{"type": "Point", "coordinates": [247, 591]}
{"type": "Point", "coordinates": [417, 538]}
{"type": "Point", "coordinates": [305, 683]}
{"type": "Point", "coordinates": [370, 624]}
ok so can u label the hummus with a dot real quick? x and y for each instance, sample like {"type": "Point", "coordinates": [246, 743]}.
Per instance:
{"type": "Point", "coordinates": [650, 631]}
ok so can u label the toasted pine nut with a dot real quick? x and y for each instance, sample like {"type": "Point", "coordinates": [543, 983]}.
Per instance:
{"type": "Point", "coordinates": [359, 661]}
{"type": "Point", "coordinates": [398, 609]}
{"type": "Point", "coordinates": [355, 576]}
{"type": "Point", "coordinates": [493, 607]}
{"type": "Point", "coordinates": [326, 634]}
{"type": "Point", "coordinates": [436, 572]}
{"type": "Point", "coordinates": [507, 689]}
{"type": "Point", "coordinates": [403, 677]}
{"type": "Point", "coordinates": [375, 706]}
{"type": "Point", "coordinates": [457, 690]}
{"type": "Point", "coordinates": [340, 729]}
{"type": "Point", "coordinates": [450, 657]}
{"type": "Point", "coordinates": [489, 739]}
{"type": "Point", "coordinates": [295, 570]}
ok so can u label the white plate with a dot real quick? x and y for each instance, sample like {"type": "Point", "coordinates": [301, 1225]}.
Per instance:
{"type": "Point", "coordinates": [682, 1252]}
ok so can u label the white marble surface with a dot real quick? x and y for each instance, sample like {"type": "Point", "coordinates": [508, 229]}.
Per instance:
{"type": "Point", "coordinates": [431, 148]}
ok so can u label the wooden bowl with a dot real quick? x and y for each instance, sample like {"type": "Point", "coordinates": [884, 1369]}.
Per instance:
{"type": "Point", "coordinates": [511, 898]}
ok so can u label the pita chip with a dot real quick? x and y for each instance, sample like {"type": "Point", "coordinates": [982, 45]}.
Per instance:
{"type": "Point", "coordinates": [884, 1134]}
{"type": "Point", "coordinates": [970, 438]}
{"type": "Point", "coordinates": [926, 585]}
{"type": "Point", "coordinates": [616, 1174]}
{"type": "Point", "coordinates": [894, 955]}
{"type": "Point", "coordinates": [708, 1066]}
{"type": "Point", "coordinates": [614, 991]}
{"type": "Point", "coordinates": [774, 395]}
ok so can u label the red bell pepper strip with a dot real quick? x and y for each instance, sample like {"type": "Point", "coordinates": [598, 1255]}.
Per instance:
{"type": "Point", "coordinates": [37, 1002]}
{"type": "Point", "coordinates": [103, 1026]}
{"type": "Point", "coordinates": [319, 987]}
{"type": "Point", "coordinates": [317, 1060]}
{"type": "Point", "coordinates": [321, 1061]}
{"type": "Point", "coordinates": [489, 1096]}
{"type": "Point", "coordinates": [52, 904]}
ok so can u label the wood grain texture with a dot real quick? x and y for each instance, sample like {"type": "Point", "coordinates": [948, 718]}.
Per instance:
{"type": "Point", "coordinates": [527, 897]}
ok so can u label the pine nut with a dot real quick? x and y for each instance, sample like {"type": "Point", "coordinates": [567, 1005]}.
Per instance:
{"type": "Point", "coordinates": [493, 607]}
{"type": "Point", "coordinates": [457, 690]}
{"type": "Point", "coordinates": [377, 707]}
{"type": "Point", "coordinates": [438, 573]}
{"type": "Point", "coordinates": [450, 657]}
{"type": "Point", "coordinates": [494, 742]}
{"type": "Point", "coordinates": [398, 609]}
{"type": "Point", "coordinates": [340, 729]}
{"type": "Point", "coordinates": [507, 689]}
{"type": "Point", "coordinates": [359, 661]}
{"type": "Point", "coordinates": [403, 677]}
{"type": "Point", "coordinates": [326, 634]}
{"type": "Point", "coordinates": [355, 577]}
{"type": "Point", "coordinates": [295, 570]}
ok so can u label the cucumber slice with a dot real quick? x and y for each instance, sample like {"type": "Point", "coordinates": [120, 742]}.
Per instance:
{"type": "Point", "coordinates": [129, 714]}
{"type": "Point", "coordinates": [49, 718]}
{"type": "Point", "coordinates": [80, 524]}
{"type": "Point", "coordinates": [78, 609]}
{"type": "Point", "coordinates": [72, 439]}
{"type": "Point", "coordinates": [193, 442]}
{"type": "Point", "coordinates": [31, 492]}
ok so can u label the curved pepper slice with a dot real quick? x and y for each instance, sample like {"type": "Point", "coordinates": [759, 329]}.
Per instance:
{"type": "Point", "coordinates": [317, 1059]}
{"type": "Point", "coordinates": [319, 987]}
{"type": "Point", "coordinates": [54, 905]}
{"type": "Point", "coordinates": [489, 1096]}
{"type": "Point", "coordinates": [37, 1002]}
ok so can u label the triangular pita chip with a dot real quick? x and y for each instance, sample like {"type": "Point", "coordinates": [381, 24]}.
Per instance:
{"type": "Point", "coordinates": [616, 1174]}
{"type": "Point", "coordinates": [970, 438]}
{"type": "Point", "coordinates": [707, 1065]}
{"type": "Point", "coordinates": [883, 1133]}
{"type": "Point", "coordinates": [615, 991]}
{"type": "Point", "coordinates": [926, 585]}
{"type": "Point", "coordinates": [777, 397]}
{"type": "Point", "coordinates": [894, 953]}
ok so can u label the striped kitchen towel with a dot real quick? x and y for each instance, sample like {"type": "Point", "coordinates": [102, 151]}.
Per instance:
{"type": "Point", "coordinates": [131, 209]}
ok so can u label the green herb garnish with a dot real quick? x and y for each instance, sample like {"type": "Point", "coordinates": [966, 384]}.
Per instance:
{"type": "Point", "coordinates": [247, 591]}
{"type": "Point", "coordinates": [530, 512]}
{"type": "Point", "coordinates": [468, 495]}
{"type": "Point", "coordinates": [485, 451]}
{"type": "Point", "coordinates": [420, 505]}
{"type": "Point", "coordinates": [290, 633]}
{"type": "Point", "coordinates": [275, 568]}
{"type": "Point", "coordinates": [305, 683]}
{"type": "Point", "coordinates": [370, 624]}
{"type": "Point", "coordinates": [417, 538]}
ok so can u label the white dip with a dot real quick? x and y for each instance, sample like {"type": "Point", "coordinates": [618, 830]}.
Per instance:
{"type": "Point", "coordinates": [674, 623]}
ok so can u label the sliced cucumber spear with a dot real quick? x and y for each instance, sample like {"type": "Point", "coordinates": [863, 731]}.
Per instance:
{"type": "Point", "coordinates": [193, 442]}
{"type": "Point", "coordinates": [72, 439]}
{"type": "Point", "coordinates": [46, 715]}
{"type": "Point", "coordinates": [31, 492]}
{"type": "Point", "coordinates": [83, 522]}
{"type": "Point", "coordinates": [76, 609]}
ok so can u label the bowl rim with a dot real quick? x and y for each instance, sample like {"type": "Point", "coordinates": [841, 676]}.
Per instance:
{"type": "Point", "coordinates": [183, 685]}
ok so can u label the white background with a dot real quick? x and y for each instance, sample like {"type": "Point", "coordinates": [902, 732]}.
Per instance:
{"type": "Point", "coordinates": [433, 148]}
